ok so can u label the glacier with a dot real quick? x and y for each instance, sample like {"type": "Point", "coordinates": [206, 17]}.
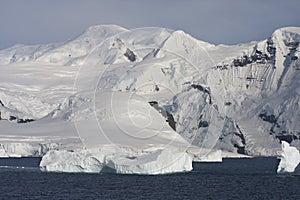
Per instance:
{"type": "Point", "coordinates": [97, 91]}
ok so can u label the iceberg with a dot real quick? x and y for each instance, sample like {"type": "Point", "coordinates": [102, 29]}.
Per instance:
{"type": "Point", "coordinates": [67, 161]}
{"type": "Point", "coordinates": [290, 158]}
{"type": "Point", "coordinates": [162, 161]}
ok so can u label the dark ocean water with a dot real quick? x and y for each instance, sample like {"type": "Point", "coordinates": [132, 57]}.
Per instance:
{"type": "Point", "coordinates": [232, 179]}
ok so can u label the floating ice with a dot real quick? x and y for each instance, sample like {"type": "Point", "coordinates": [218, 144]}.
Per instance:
{"type": "Point", "coordinates": [290, 158]}
{"type": "Point", "coordinates": [66, 161]}
{"type": "Point", "coordinates": [161, 161]}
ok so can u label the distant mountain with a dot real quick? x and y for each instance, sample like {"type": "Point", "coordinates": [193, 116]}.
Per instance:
{"type": "Point", "coordinates": [242, 98]}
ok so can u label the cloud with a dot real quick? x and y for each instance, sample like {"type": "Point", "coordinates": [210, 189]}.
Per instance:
{"type": "Point", "coordinates": [215, 21]}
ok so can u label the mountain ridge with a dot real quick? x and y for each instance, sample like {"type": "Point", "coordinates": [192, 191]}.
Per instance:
{"type": "Point", "coordinates": [244, 96]}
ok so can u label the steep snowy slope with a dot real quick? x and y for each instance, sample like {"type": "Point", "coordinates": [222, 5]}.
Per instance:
{"type": "Point", "coordinates": [262, 91]}
{"type": "Point", "coordinates": [241, 99]}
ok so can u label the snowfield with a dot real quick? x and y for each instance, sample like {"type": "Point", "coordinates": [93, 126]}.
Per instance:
{"type": "Point", "coordinates": [149, 100]}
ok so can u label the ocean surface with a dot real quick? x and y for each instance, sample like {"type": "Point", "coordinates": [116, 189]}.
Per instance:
{"type": "Point", "coordinates": [233, 179]}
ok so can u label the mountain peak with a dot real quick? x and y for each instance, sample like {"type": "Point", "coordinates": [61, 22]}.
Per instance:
{"type": "Point", "coordinates": [288, 34]}
{"type": "Point", "coordinates": [104, 28]}
{"type": "Point", "coordinates": [181, 35]}
{"type": "Point", "coordinates": [291, 29]}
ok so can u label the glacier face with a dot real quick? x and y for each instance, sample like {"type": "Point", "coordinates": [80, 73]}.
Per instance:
{"type": "Point", "coordinates": [96, 89]}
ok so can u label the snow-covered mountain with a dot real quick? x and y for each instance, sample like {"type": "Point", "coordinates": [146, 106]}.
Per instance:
{"type": "Point", "coordinates": [240, 99]}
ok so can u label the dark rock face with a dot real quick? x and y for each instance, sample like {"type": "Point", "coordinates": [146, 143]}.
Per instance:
{"type": "Point", "coordinates": [203, 124]}
{"type": "Point", "coordinates": [277, 129]}
{"type": "Point", "coordinates": [240, 150]}
{"type": "Point", "coordinates": [287, 138]}
{"type": "Point", "coordinates": [169, 117]}
{"type": "Point", "coordinates": [25, 120]}
{"type": "Point", "coordinates": [1, 104]}
{"type": "Point", "coordinates": [130, 55]}
{"type": "Point", "coordinates": [12, 118]}
{"type": "Point", "coordinates": [257, 56]}
{"type": "Point", "coordinates": [268, 118]}
{"type": "Point", "coordinates": [203, 89]}
{"type": "Point", "coordinates": [228, 103]}
{"type": "Point", "coordinates": [20, 121]}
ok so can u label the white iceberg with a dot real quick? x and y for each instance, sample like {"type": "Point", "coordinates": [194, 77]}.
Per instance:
{"type": "Point", "coordinates": [66, 161]}
{"type": "Point", "coordinates": [162, 161]}
{"type": "Point", "coordinates": [290, 158]}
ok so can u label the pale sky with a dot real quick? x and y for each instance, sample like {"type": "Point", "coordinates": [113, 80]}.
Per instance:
{"type": "Point", "coordinates": [214, 21]}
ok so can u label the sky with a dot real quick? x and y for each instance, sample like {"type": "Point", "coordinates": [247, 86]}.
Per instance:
{"type": "Point", "coordinates": [216, 21]}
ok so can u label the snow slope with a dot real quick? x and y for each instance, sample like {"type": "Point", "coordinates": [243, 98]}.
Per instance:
{"type": "Point", "coordinates": [93, 92]}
